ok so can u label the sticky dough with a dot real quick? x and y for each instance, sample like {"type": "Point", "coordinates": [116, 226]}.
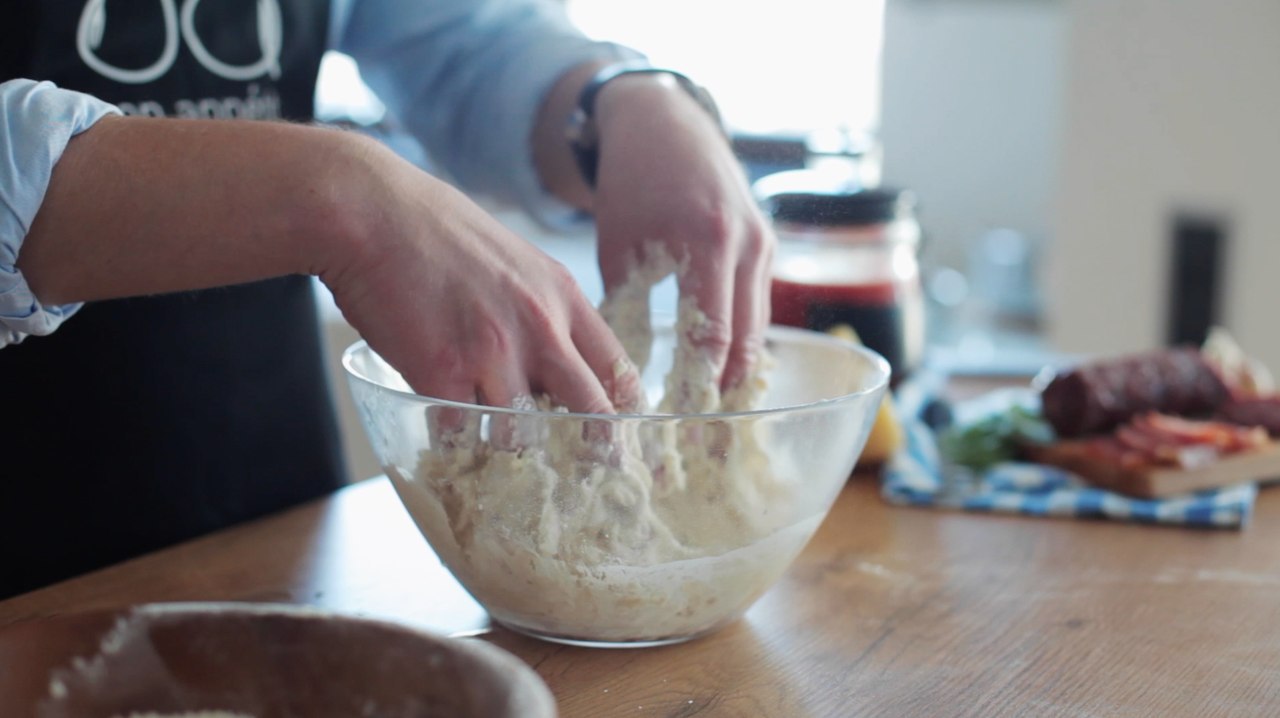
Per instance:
{"type": "Point", "coordinates": [640, 530]}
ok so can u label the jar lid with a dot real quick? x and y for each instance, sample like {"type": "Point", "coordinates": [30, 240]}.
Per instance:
{"type": "Point", "coordinates": [806, 197]}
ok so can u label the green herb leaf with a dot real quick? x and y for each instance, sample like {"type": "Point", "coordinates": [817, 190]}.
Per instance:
{"type": "Point", "coordinates": [994, 439]}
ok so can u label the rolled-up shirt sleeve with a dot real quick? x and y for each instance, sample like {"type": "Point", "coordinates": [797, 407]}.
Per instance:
{"type": "Point", "coordinates": [467, 77]}
{"type": "Point", "coordinates": [37, 120]}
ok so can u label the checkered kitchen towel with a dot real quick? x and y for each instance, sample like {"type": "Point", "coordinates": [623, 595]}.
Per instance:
{"type": "Point", "coordinates": [914, 476]}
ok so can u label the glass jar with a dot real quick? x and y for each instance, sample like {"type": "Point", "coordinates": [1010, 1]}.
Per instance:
{"type": "Point", "coordinates": [848, 256]}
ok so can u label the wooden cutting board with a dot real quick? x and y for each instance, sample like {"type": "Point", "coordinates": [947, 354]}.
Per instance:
{"type": "Point", "coordinates": [1159, 482]}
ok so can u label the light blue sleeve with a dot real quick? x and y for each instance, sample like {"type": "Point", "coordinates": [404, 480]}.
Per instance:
{"type": "Point", "coordinates": [467, 77]}
{"type": "Point", "coordinates": [37, 119]}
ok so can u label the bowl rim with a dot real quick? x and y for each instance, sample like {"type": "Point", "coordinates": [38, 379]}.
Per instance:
{"type": "Point", "coordinates": [526, 688]}
{"type": "Point", "coordinates": [877, 361]}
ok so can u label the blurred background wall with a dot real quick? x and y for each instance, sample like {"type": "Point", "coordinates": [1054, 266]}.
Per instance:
{"type": "Point", "coordinates": [971, 115]}
{"type": "Point", "coordinates": [1091, 127]}
{"type": "Point", "coordinates": [1170, 107]}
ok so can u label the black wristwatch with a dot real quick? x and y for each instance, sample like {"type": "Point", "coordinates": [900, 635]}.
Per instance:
{"type": "Point", "coordinates": [583, 133]}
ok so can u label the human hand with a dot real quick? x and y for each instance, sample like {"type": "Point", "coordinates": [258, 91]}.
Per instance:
{"type": "Point", "coordinates": [466, 310]}
{"type": "Point", "coordinates": [668, 176]}
{"type": "Point", "coordinates": [463, 308]}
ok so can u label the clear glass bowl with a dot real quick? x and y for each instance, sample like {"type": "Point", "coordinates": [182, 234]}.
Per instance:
{"type": "Point", "coordinates": [630, 529]}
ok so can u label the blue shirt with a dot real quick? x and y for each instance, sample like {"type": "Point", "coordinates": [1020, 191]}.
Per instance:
{"type": "Point", "coordinates": [465, 76]}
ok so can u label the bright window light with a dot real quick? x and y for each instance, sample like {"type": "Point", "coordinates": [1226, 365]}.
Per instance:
{"type": "Point", "coordinates": [342, 95]}
{"type": "Point", "coordinates": [773, 67]}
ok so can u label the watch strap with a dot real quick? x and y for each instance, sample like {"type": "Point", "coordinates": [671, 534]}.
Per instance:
{"type": "Point", "coordinates": [584, 133]}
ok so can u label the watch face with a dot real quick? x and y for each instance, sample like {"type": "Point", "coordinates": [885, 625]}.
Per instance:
{"type": "Point", "coordinates": [581, 130]}
{"type": "Point", "coordinates": [583, 142]}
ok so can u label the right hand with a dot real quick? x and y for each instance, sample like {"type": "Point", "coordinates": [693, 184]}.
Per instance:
{"type": "Point", "coordinates": [668, 177]}
{"type": "Point", "coordinates": [465, 309]}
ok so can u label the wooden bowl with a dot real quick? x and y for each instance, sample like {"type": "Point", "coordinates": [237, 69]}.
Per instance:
{"type": "Point", "coordinates": [258, 660]}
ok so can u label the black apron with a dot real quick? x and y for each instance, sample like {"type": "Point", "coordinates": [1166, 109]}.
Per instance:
{"type": "Point", "coordinates": [143, 422]}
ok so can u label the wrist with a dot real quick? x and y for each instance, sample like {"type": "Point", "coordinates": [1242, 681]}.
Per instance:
{"type": "Point", "coordinates": [635, 96]}
{"type": "Point", "coordinates": [651, 91]}
{"type": "Point", "coordinates": [657, 99]}
{"type": "Point", "coordinates": [553, 159]}
{"type": "Point", "coordinates": [344, 205]}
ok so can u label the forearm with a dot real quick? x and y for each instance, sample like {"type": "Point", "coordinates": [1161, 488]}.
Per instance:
{"type": "Point", "coordinates": [142, 206]}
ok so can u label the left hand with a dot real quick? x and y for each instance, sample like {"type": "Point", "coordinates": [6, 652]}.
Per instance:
{"type": "Point", "coordinates": [668, 175]}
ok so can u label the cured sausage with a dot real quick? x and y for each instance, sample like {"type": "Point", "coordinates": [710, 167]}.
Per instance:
{"type": "Point", "coordinates": [1099, 396]}
{"type": "Point", "coordinates": [1262, 411]}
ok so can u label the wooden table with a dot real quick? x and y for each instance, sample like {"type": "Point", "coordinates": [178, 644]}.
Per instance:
{"type": "Point", "coordinates": [889, 611]}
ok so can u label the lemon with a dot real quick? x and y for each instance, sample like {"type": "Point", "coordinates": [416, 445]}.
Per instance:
{"type": "Point", "coordinates": [886, 433]}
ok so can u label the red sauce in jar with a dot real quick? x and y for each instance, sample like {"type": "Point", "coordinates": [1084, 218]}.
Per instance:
{"type": "Point", "coordinates": [821, 289]}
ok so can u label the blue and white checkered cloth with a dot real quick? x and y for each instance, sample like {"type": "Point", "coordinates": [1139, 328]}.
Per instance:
{"type": "Point", "coordinates": [913, 477]}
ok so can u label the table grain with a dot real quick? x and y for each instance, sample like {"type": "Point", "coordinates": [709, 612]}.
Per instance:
{"type": "Point", "coordinates": [888, 612]}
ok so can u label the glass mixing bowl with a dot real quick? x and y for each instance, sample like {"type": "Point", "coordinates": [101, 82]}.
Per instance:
{"type": "Point", "coordinates": [612, 530]}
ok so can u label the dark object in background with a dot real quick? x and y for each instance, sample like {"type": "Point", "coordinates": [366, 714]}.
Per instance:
{"type": "Point", "coordinates": [1098, 397]}
{"type": "Point", "coordinates": [763, 155]}
{"type": "Point", "coordinates": [937, 415]}
{"type": "Point", "coordinates": [1195, 279]}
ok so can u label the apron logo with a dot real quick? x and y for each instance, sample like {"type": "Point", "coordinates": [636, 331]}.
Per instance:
{"type": "Point", "coordinates": [93, 26]}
